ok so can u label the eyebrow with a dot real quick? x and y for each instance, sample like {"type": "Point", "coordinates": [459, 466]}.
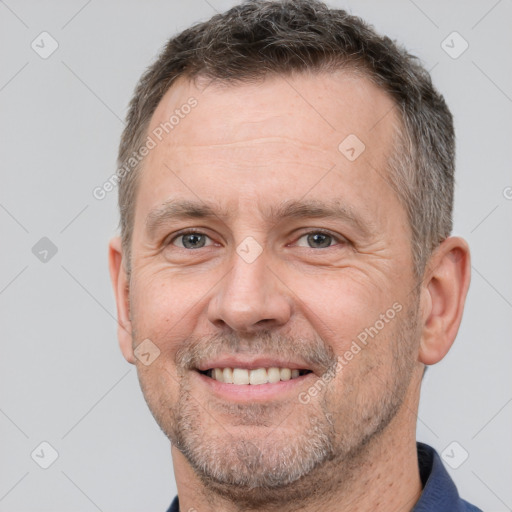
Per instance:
{"type": "Point", "coordinates": [181, 210]}
{"type": "Point", "coordinates": [316, 209]}
{"type": "Point", "coordinates": [174, 210]}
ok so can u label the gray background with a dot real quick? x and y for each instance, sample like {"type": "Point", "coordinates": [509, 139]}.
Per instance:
{"type": "Point", "coordinates": [62, 377]}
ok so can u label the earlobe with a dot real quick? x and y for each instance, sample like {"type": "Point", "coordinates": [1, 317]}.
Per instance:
{"type": "Point", "coordinates": [121, 291]}
{"type": "Point", "coordinates": [443, 296]}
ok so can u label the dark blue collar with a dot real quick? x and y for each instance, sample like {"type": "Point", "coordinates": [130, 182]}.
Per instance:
{"type": "Point", "coordinates": [439, 491]}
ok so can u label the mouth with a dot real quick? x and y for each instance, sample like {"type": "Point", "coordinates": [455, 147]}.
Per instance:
{"type": "Point", "coordinates": [254, 376]}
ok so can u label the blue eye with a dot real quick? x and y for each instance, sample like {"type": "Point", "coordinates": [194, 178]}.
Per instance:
{"type": "Point", "coordinates": [317, 240]}
{"type": "Point", "coordinates": [191, 240]}
{"type": "Point", "coordinates": [312, 240]}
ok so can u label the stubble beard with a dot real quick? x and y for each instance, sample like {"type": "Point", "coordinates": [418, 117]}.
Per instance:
{"type": "Point", "coordinates": [273, 454]}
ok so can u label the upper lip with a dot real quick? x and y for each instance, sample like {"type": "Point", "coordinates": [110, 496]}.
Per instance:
{"type": "Point", "coordinates": [253, 363]}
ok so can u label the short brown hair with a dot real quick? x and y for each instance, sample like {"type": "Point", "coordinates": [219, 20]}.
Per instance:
{"type": "Point", "coordinates": [261, 37]}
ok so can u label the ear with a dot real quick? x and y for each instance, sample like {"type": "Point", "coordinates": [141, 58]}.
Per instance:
{"type": "Point", "coordinates": [120, 284]}
{"type": "Point", "coordinates": [444, 290]}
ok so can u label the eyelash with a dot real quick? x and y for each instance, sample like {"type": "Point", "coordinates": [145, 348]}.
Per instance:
{"type": "Point", "coordinates": [185, 232]}
{"type": "Point", "coordinates": [335, 238]}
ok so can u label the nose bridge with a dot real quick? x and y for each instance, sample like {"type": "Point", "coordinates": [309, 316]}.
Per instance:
{"type": "Point", "coordinates": [249, 297]}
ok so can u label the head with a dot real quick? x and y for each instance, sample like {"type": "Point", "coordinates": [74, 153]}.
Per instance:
{"type": "Point", "coordinates": [293, 209]}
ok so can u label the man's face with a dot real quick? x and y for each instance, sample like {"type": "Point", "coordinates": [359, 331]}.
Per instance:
{"type": "Point", "coordinates": [295, 248]}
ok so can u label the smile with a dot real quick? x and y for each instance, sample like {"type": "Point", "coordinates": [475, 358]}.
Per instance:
{"type": "Point", "coordinates": [254, 377]}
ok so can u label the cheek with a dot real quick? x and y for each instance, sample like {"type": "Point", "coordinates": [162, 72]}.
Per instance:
{"type": "Point", "coordinates": [359, 323]}
{"type": "Point", "coordinates": [163, 308]}
{"type": "Point", "coordinates": [340, 307]}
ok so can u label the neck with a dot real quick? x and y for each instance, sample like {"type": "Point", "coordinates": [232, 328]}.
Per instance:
{"type": "Point", "coordinates": [383, 476]}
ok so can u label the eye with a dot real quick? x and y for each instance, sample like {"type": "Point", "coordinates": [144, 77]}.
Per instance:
{"type": "Point", "coordinates": [317, 240]}
{"type": "Point", "coordinates": [191, 240]}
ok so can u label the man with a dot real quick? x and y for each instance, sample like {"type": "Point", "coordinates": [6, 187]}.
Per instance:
{"type": "Point", "coordinates": [285, 270]}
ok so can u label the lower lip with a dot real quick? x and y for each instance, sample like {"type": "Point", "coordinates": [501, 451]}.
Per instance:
{"type": "Point", "coordinates": [245, 392]}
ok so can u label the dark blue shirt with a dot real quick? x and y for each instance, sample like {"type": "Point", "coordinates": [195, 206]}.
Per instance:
{"type": "Point", "coordinates": [439, 491]}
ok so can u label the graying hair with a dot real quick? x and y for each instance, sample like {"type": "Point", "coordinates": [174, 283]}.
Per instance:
{"type": "Point", "coordinates": [265, 37]}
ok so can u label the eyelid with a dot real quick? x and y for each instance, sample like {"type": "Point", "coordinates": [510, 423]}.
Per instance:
{"type": "Point", "coordinates": [335, 236]}
{"type": "Point", "coordinates": [170, 239]}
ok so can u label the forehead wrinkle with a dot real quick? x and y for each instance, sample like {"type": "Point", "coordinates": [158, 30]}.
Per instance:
{"type": "Point", "coordinates": [288, 209]}
{"type": "Point", "coordinates": [247, 143]}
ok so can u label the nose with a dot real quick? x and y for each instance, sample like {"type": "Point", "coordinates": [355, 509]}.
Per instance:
{"type": "Point", "coordinates": [250, 298]}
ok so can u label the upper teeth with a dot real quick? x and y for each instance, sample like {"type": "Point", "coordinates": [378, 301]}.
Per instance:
{"type": "Point", "coordinates": [242, 376]}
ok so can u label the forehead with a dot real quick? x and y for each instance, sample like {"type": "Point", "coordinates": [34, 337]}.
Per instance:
{"type": "Point", "coordinates": [269, 139]}
{"type": "Point", "coordinates": [313, 105]}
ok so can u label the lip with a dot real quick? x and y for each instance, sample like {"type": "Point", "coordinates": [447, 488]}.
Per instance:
{"type": "Point", "coordinates": [253, 364]}
{"type": "Point", "coordinates": [260, 392]}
